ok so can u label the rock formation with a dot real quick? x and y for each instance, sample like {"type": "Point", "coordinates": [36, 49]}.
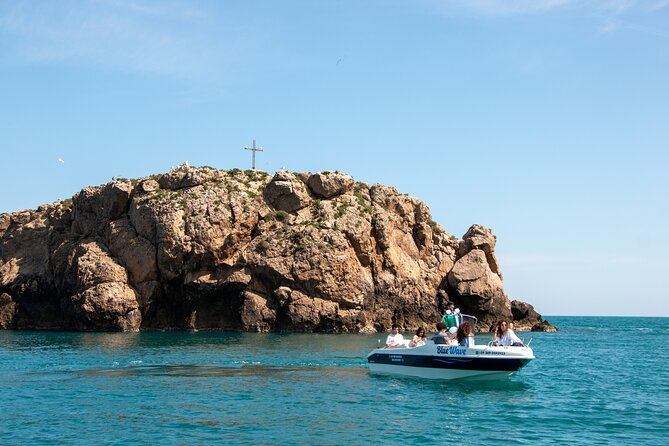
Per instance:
{"type": "Point", "coordinates": [199, 248]}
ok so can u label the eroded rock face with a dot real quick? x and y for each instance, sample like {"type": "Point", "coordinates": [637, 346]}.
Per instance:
{"type": "Point", "coordinates": [526, 318]}
{"type": "Point", "coordinates": [482, 238]}
{"type": "Point", "coordinates": [95, 206]}
{"type": "Point", "coordinates": [479, 291]}
{"type": "Point", "coordinates": [102, 298]}
{"type": "Point", "coordinates": [199, 248]}
{"type": "Point", "coordinates": [286, 192]}
{"type": "Point", "coordinates": [255, 313]}
{"type": "Point", "coordinates": [329, 184]}
{"type": "Point", "coordinates": [183, 177]}
{"type": "Point", "coordinates": [7, 311]}
{"type": "Point", "coordinates": [106, 306]}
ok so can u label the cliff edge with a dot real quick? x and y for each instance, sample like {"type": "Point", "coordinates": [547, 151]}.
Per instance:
{"type": "Point", "coordinates": [200, 248]}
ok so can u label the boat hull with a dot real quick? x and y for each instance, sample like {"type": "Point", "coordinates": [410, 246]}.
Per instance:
{"type": "Point", "coordinates": [450, 362]}
{"type": "Point", "coordinates": [430, 373]}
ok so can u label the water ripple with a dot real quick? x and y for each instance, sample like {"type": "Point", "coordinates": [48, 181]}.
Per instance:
{"type": "Point", "coordinates": [586, 386]}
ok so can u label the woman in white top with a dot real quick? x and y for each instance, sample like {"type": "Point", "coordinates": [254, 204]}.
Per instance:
{"type": "Point", "coordinates": [506, 336]}
{"type": "Point", "coordinates": [419, 339]}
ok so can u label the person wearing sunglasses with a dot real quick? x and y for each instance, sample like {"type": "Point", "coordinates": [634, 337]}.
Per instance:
{"type": "Point", "coordinates": [506, 337]}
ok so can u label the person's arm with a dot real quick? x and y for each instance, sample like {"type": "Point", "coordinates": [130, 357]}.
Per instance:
{"type": "Point", "coordinates": [515, 338]}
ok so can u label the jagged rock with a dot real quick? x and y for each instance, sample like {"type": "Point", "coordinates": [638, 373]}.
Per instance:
{"type": "Point", "coordinates": [255, 314]}
{"type": "Point", "coordinates": [184, 176]}
{"type": "Point", "coordinates": [172, 244]}
{"type": "Point", "coordinates": [94, 207]}
{"type": "Point", "coordinates": [23, 217]}
{"type": "Point", "coordinates": [471, 275]}
{"type": "Point", "coordinates": [5, 219]}
{"type": "Point", "coordinates": [237, 278]}
{"type": "Point", "coordinates": [240, 250]}
{"type": "Point", "coordinates": [478, 289]}
{"type": "Point", "coordinates": [7, 311]}
{"type": "Point", "coordinates": [143, 215]}
{"type": "Point", "coordinates": [305, 313]}
{"type": "Point", "coordinates": [147, 294]}
{"type": "Point", "coordinates": [543, 325]}
{"type": "Point", "coordinates": [525, 318]}
{"type": "Point", "coordinates": [479, 237]}
{"type": "Point", "coordinates": [115, 198]}
{"type": "Point", "coordinates": [92, 265]}
{"type": "Point", "coordinates": [329, 184]}
{"type": "Point", "coordinates": [24, 254]}
{"type": "Point", "coordinates": [147, 186]}
{"type": "Point", "coordinates": [286, 192]}
{"type": "Point", "coordinates": [136, 253]}
{"type": "Point", "coordinates": [106, 306]}
{"type": "Point", "coordinates": [102, 300]}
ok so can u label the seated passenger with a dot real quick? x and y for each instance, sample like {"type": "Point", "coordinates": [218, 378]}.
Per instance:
{"type": "Point", "coordinates": [418, 339]}
{"type": "Point", "coordinates": [451, 335]}
{"type": "Point", "coordinates": [395, 339]}
{"type": "Point", "coordinates": [495, 331]}
{"type": "Point", "coordinates": [441, 337]}
{"type": "Point", "coordinates": [506, 336]}
{"type": "Point", "coordinates": [465, 335]}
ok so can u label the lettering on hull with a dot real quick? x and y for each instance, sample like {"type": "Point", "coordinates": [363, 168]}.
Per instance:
{"type": "Point", "coordinates": [452, 350]}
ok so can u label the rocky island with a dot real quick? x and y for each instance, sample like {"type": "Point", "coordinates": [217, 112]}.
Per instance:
{"type": "Point", "coordinates": [201, 248]}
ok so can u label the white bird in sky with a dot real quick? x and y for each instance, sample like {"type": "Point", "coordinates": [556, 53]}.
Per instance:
{"type": "Point", "coordinates": [60, 160]}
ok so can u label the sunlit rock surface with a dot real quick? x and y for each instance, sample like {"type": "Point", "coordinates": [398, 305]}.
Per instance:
{"type": "Point", "coordinates": [199, 248]}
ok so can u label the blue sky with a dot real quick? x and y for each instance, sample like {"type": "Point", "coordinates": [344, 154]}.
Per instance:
{"type": "Point", "coordinates": [545, 120]}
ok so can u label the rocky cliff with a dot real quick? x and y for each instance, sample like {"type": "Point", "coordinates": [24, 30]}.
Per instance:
{"type": "Point", "coordinates": [199, 248]}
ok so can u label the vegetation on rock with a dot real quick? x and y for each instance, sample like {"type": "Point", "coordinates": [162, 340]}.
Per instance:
{"type": "Point", "coordinates": [243, 250]}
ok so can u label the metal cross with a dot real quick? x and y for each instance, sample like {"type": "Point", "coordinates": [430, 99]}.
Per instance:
{"type": "Point", "coordinates": [254, 149]}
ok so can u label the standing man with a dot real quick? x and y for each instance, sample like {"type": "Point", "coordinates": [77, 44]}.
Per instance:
{"type": "Point", "coordinates": [452, 318]}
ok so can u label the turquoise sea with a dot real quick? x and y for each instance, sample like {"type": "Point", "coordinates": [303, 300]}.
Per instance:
{"type": "Point", "coordinates": [600, 380]}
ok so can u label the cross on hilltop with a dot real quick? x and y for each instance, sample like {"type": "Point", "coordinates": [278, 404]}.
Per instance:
{"type": "Point", "coordinates": [254, 149]}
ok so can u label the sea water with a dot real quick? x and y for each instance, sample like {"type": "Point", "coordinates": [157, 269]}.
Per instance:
{"type": "Point", "coordinates": [599, 380]}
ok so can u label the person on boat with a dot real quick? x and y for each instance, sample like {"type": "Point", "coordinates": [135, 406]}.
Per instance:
{"type": "Point", "coordinates": [451, 336]}
{"type": "Point", "coordinates": [495, 331]}
{"type": "Point", "coordinates": [506, 337]}
{"type": "Point", "coordinates": [465, 335]}
{"type": "Point", "coordinates": [452, 317]}
{"type": "Point", "coordinates": [418, 339]}
{"type": "Point", "coordinates": [395, 338]}
{"type": "Point", "coordinates": [442, 335]}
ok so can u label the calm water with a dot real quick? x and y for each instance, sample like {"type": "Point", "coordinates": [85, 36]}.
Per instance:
{"type": "Point", "coordinates": [598, 381]}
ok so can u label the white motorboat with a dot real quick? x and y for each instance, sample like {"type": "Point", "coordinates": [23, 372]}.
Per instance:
{"type": "Point", "coordinates": [439, 361]}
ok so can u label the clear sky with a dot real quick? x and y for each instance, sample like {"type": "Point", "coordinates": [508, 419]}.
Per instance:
{"type": "Point", "coordinates": [545, 120]}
